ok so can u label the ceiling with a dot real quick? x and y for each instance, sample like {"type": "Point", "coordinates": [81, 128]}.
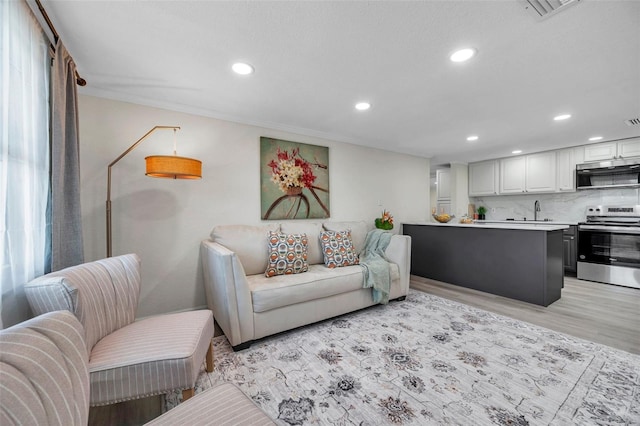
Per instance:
{"type": "Point", "coordinates": [315, 59]}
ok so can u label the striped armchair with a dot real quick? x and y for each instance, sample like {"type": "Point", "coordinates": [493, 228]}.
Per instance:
{"type": "Point", "coordinates": [44, 380]}
{"type": "Point", "coordinates": [127, 359]}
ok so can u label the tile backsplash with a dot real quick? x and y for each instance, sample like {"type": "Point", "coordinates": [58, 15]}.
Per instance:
{"type": "Point", "coordinates": [564, 206]}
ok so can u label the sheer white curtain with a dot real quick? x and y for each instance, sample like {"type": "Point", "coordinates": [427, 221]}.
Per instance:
{"type": "Point", "coordinates": [24, 155]}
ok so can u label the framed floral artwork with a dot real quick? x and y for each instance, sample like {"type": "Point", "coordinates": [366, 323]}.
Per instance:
{"type": "Point", "coordinates": [294, 180]}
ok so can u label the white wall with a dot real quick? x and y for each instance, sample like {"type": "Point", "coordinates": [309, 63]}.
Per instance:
{"type": "Point", "coordinates": [164, 221]}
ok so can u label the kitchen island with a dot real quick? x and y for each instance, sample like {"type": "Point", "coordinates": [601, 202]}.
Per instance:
{"type": "Point", "coordinates": [519, 261]}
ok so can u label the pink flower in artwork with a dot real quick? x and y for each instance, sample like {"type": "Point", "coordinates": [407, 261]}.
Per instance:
{"type": "Point", "coordinates": [290, 170]}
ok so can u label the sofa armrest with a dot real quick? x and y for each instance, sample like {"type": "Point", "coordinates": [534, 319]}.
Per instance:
{"type": "Point", "coordinates": [227, 292]}
{"type": "Point", "coordinates": [399, 252]}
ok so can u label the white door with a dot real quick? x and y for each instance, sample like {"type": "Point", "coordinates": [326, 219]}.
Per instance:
{"type": "Point", "coordinates": [443, 179]}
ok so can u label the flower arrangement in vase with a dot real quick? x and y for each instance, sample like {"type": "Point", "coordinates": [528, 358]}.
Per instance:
{"type": "Point", "coordinates": [385, 221]}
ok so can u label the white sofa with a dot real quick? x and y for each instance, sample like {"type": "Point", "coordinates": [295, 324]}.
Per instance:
{"type": "Point", "coordinates": [248, 306]}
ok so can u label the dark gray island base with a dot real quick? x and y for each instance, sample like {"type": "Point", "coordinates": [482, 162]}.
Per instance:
{"type": "Point", "coordinates": [520, 263]}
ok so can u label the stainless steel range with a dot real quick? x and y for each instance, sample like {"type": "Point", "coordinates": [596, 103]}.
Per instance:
{"type": "Point", "coordinates": [609, 245]}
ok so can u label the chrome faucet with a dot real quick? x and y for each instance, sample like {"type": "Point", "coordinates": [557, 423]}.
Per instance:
{"type": "Point", "coordinates": [536, 209]}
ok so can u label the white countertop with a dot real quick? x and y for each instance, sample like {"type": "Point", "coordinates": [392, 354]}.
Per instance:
{"type": "Point", "coordinates": [520, 226]}
{"type": "Point", "coordinates": [534, 222]}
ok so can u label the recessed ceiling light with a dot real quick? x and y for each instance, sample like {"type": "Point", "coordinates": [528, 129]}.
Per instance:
{"type": "Point", "coordinates": [562, 117]}
{"type": "Point", "coordinates": [242, 68]}
{"type": "Point", "coordinates": [363, 106]}
{"type": "Point", "coordinates": [517, 151]}
{"type": "Point", "coordinates": [463, 54]}
{"type": "Point", "coordinates": [472, 138]}
{"type": "Point", "coordinates": [595, 138]}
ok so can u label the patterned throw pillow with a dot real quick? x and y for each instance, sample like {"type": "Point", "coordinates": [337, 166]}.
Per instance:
{"type": "Point", "coordinates": [338, 249]}
{"type": "Point", "coordinates": [287, 254]}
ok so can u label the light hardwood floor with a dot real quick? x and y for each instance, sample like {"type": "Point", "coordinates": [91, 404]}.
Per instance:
{"type": "Point", "coordinates": [601, 313]}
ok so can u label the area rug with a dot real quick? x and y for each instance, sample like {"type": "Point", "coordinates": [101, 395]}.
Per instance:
{"type": "Point", "coordinates": [431, 361]}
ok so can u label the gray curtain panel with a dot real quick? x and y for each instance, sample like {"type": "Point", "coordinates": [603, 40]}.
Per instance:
{"type": "Point", "coordinates": [66, 239]}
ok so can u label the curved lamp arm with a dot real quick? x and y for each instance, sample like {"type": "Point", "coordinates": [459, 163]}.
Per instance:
{"type": "Point", "coordinates": [131, 148]}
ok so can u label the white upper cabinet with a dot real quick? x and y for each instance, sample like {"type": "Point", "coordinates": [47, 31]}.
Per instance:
{"type": "Point", "coordinates": [528, 173]}
{"type": "Point", "coordinates": [483, 178]}
{"type": "Point", "coordinates": [443, 179]}
{"type": "Point", "coordinates": [512, 175]}
{"type": "Point", "coordinates": [541, 172]}
{"type": "Point", "coordinates": [611, 150]}
{"type": "Point", "coordinates": [566, 169]}
{"type": "Point", "coordinates": [629, 148]}
{"type": "Point", "coordinates": [600, 151]}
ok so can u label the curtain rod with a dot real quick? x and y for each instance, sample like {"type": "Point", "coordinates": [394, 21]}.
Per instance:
{"type": "Point", "coordinates": [79, 80]}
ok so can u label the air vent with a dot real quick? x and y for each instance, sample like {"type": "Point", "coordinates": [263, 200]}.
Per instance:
{"type": "Point", "coordinates": [546, 8]}
{"type": "Point", "coordinates": [633, 122]}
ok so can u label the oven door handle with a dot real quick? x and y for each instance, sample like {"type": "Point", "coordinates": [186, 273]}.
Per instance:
{"type": "Point", "coordinates": [610, 229]}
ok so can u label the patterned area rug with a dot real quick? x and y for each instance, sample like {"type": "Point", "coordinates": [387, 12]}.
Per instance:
{"type": "Point", "coordinates": [431, 361]}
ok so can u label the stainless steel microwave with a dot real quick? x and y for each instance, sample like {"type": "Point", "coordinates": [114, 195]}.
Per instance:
{"type": "Point", "coordinates": [608, 174]}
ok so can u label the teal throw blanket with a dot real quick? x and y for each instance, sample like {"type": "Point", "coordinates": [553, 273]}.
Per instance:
{"type": "Point", "coordinates": [377, 273]}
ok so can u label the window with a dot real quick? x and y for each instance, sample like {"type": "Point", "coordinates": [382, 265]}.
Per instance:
{"type": "Point", "coordinates": [24, 155]}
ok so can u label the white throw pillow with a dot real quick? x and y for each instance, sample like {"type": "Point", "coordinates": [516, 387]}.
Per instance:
{"type": "Point", "coordinates": [250, 243]}
{"type": "Point", "coordinates": [358, 229]}
{"type": "Point", "coordinates": [312, 229]}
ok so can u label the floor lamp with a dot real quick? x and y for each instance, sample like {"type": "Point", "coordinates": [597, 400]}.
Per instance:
{"type": "Point", "coordinates": [159, 166]}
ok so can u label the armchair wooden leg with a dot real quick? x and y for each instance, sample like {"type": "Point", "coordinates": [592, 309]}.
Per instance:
{"type": "Point", "coordinates": [187, 393]}
{"type": "Point", "coordinates": [210, 358]}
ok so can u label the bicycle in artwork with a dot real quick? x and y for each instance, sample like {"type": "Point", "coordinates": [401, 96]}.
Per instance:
{"type": "Point", "coordinates": [294, 180]}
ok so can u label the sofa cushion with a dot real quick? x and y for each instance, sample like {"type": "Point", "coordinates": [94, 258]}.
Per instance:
{"type": "Point", "coordinates": [318, 282]}
{"type": "Point", "coordinates": [312, 229]}
{"type": "Point", "coordinates": [358, 229]}
{"type": "Point", "coordinates": [249, 243]}
{"type": "Point", "coordinates": [287, 254]}
{"type": "Point", "coordinates": [337, 249]}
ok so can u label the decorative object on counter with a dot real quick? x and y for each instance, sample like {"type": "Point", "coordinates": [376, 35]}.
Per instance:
{"type": "Point", "coordinates": [482, 212]}
{"type": "Point", "coordinates": [466, 219]}
{"type": "Point", "coordinates": [385, 221]}
{"type": "Point", "coordinates": [442, 217]}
